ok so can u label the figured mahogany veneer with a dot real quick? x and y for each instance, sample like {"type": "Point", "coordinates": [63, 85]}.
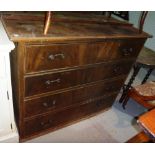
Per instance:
{"type": "Point", "coordinates": [74, 97]}
{"type": "Point", "coordinates": [70, 78]}
{"type": "Point", "coordinates": [56, 119]}
{"type": "Point", "coordinates": [55, 56]}
{"type": "Point", "coordinates": [72, 73]}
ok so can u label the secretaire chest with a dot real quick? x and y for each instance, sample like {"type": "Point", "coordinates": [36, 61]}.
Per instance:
{"type": "Point", "coordinates": [73, 72]}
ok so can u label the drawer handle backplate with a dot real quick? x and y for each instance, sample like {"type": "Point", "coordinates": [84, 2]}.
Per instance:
{"type": "Point", "coordinates": [117, 69]}
{"type": "Point", "coordinates": [46, 123]}
{"type": "Point", "coordinates": [47, 105]}
{"type": "Point", "coordinates": [54, 56]}
{"type": "Point", "coordinates": [127, 51]}
{"type": "Point", "coordinates": [49, 82]}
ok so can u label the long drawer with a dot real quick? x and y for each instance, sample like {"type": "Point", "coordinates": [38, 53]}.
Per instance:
{"type": "Point", "coordinates": [71, 98]}
{"type": "Point", "coordinates": [61, 118]}
{"type": "Point", "coordinates": [54, 56]}
{"type": "Point", "coordinates": [35, 85]}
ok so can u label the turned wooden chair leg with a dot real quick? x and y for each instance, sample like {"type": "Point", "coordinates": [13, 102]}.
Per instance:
{"type": "Point", "coordinates": [125, 101]}
{"type": "Point", "coordinates": [147, 75]}
{"type": "Point", "coordinates": [136, 69]}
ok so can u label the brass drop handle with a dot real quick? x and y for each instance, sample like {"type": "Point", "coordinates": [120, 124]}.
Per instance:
{"type": "Point", "coordinates": [49, 82]}
{"type": "Point", "coordinates": [46, 123]}
{"type": "Point", "coordinates": [54, 56]}
{"type": "Point", "coordinates": [127, 51]}
{"type": "Point", "coordinates": [45, 104]}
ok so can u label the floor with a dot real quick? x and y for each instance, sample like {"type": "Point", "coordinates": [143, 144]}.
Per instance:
{"type": "Point", "coordinates": [116, 125]}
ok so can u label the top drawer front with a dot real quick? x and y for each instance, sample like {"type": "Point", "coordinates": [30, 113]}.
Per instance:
{"type": "Point", "coordinates": [55, 56]}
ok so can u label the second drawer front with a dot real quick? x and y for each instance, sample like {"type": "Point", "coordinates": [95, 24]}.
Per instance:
{"type": "Point", "coordinates": [50, 82]}
{"type": "Point", "coordinates": [71, 98]}
{"type": "Point", "coordinates": [54, 120]}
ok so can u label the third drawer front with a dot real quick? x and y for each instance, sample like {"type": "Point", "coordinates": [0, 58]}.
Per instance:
{"type": "Point", "coordinates": [61, 118]}
{"type": "Point", "coordinates": [71, 98]}
{"type": "Point", "coordinates": [35, 85]}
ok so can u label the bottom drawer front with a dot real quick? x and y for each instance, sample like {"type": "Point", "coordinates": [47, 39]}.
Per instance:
{"type": "Point", "coordinates": [61, 118]}
{"type": "Point", "coordinates": [70, 98]}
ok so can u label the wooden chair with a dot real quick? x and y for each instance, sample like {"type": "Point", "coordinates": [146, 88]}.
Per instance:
{"type": "Point", "coordinates": [143, 94]}
{"type": "Point", "coordinates": [146, 122]}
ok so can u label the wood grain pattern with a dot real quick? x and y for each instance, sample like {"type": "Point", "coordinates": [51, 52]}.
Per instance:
{"type": "Point", "coordinates": [35, 85]}
{"type": "Point", "coordinates": [146, 121]}
{"type": "Point", "coordinates": [53, 120]}
{"type": "Point", "coordinates": [71, 98]}
{"type": "Point", "coordinates": [17, 72]}
{"type": "Point", "coordinates": [29, 30]}
{"type": "Point", "coordinates": [54, 56]}
{"type": "Point", "coordinates": [68, 17]}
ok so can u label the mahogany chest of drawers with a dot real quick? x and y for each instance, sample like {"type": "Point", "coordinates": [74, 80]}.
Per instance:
{"type": "Point", "coordinates": [73, 72]}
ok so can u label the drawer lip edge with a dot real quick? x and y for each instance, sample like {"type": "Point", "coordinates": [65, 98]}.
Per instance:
{"type": "Point", "coordinates": [73, 88]}
{"type": "Point", "coordinates": [44, 72]}
{"type": "Point", "coordinates": [71, 106]}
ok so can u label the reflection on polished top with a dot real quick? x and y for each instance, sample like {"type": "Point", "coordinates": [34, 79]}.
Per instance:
{"type": "Point", "coordinates": [68, 27]}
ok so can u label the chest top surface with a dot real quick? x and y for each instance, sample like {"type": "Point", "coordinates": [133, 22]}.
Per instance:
{"type": "Point", "coordinates": [68, 27]}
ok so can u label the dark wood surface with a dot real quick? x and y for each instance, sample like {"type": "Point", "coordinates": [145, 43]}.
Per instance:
{"type": "Point", "coordinates": [55, 56]}
{"type": "Point", "coordinates": [35, 85]}
{"type": "Point", "coordinates": [91, 62]}
{"type": "Point", "coordinates": [67, 16]}
{"type": "Point", "coordinates": [69, 98]}
{"type": "Point", "coordinates": [139, 138]}
{"type": "Point", "coordinates": [30, 30]}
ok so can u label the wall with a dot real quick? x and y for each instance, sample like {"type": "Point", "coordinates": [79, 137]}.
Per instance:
{"type": "Point", "coordinates": [149, 25]}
